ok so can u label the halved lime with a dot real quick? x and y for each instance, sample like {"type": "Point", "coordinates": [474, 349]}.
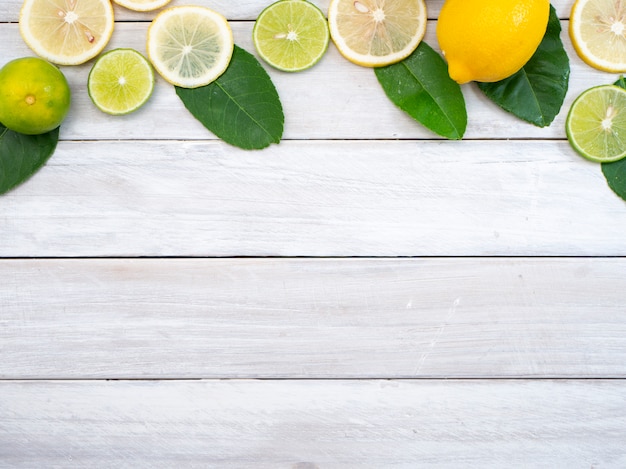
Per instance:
{"type": "Point", "coordinates": [121, 81]}
{"type": "Point", "coordinates": [596, 124]}
{"type": "Point", "coordinates": [291, 35]}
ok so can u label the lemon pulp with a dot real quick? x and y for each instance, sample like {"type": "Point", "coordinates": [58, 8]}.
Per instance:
{"type": "Point", "coordinates": [374, 33]}
{"type": "Point", "coordinates": [190, 46]}
{"type": "Point", "coordinates": [597, 29]}
{"type": "Point", "coordinates": [66, 32]}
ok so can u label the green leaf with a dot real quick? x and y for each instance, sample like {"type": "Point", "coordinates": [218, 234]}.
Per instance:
{"type": "Point", "coordinates": [615, 173]}
{"type": "Point", "coordinates": [241, 107]}
{"type": "Point", "coordinates": [421, 87]}
{"type": "Point", "coordinates": [536, 93]}
{"type": "Point", "coordinates": [21, 155]}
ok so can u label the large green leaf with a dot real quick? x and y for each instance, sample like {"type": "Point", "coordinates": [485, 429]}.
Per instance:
{"type": "Point", "coordinates": [420, 86]}
{"type": "Point", "coordinates": [241, 107]}
{"type": "Point", "coordinates": [536, 93]}
{"type": "Point", "coordinates": [615, 173]}
{"type": "Point", "coordinates": [22, 155]}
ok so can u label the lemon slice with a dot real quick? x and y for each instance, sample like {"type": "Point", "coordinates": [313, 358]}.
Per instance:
{"type": "Point", "coordinates": [66, 32]}
{"type": "Point", "coordinates": [597, 29]}
{"type": "Point", "coordinates": [190, 46]}
{"type": "Point", "coordinates": [142, 5]}
{"type": "Point", "coordinates": [120, 82]}
{"type": "Point", "coordinates": [291, 35]}
{"type": "Point", "coordinates": [596, 124]}
{"type": "Point", "coordinates": [374, 33]}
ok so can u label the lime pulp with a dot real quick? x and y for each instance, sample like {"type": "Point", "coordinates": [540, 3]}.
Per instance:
{"type": "Point", "coordinates": [120, 82]}
{"type": "Point", "coordinates": [291, 35]}
{"type": "Point", "coordinates": [596, 124]}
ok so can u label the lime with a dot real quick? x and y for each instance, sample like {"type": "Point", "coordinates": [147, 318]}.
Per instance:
{"type": "Point", "coordinates": [596, 124]}
{"type": "Point", "coordinates": [190, 46]}
{"type": "Point", "coordinates": [66, 32]}
{"type": "Point", "coordinates": [34, 96]}
{"type": "Point", "coordinates": [374, 33]}
{"type": "Point", "coordinates": [120, 82]}
{"type": "Point", "coordinates": [291, 35]}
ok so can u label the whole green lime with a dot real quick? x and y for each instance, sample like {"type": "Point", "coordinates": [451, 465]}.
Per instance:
{"type": "Point", "coordinates": [34, 96]}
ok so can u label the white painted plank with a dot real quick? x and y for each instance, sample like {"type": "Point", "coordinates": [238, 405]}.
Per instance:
{"type": "Point", "coordinates": [334, 99]}
{"type": "Point", "coordinates": [313, 424]}
{"type": "Point", "coordinates": [314, 199]}
{"type": "Point", "coordinates": [239, 10]}
{"type": "Point", "coordinates": [310, 318]}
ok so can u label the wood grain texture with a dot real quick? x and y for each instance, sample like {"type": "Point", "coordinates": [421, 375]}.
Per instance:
{"type": "Point", "coordinates": [334, 100]}
{"type": "Point", "coordinates": [305, 318]}
{"type": "Point", "coordinates": [313, 424]}
{"type": "Point", "coordinates": [353, 177]}
{"type": "Point", "coordinates": [314, 199]}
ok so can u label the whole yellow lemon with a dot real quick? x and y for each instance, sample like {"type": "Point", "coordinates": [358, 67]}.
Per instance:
{"type": "Point", "coordinates": [34, 96]}
{"type": "Point", "coordinates": [490, 40]}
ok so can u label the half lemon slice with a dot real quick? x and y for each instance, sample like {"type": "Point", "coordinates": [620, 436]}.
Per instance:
{"type": "Point", "coordinates": [374, 33]}
{"type": "Point", "coordinates": [190, 46]}
{"type": "Point", "coordinates": [142, 5]}
{"type": "Point", "coordinates": [66, 32]}
{"type": "Point", "coordinates": [598, 32]}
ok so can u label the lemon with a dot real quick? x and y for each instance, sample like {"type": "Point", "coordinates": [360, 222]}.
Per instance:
{"type": "Point", "coordinates": [142, 5]}
{"type": "Point", "coordinates": [597, 29]}
{"type": "Point", "coordinates": [596, 124]}
{"type": "Point", "coordinates": [66, 32]}
{"type": "Point", "coordinates": [487, 40]}
{"type": "Point", "coordinates": [34, 96]}
{"type": "Point", "coordinates": [374, 33]}
{"type": "Point", "coordinates": [291, 35]}
{"type": "Point", "coordinates": [120, 82]}
{"type": "Point", "coordinates": [190, 46]}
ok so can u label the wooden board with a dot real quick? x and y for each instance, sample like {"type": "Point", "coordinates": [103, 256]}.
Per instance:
{"type": "Point", "coordinates": [312, 318]}
{"type": "Point", "coordinates": [314, 424]}
{"type": "Point", "coordinates": [314, 199]}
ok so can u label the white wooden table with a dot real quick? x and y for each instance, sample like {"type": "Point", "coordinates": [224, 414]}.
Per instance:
{"type": "Point", "coordinates": [363, 294]}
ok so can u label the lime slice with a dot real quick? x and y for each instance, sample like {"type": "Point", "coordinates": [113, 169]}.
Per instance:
{"type": "Point", "coordinates": [291, 35]}
{"type": "Point", "coordinates": [67, 32]}
{"type": "Point", "coordinates": [190, 46]}
{"type": "Point", "coordinates": [375, 33]}
{"type": "Point", "coordinates": [120, 82]}
{"type": "Point", "coordinates": [597, 29]}
{"type": "Point", "coordinates": [596, 124]}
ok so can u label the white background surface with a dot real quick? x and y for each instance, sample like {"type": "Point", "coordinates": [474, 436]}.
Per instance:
{"type": "Point", "coordinates": [363, 294]}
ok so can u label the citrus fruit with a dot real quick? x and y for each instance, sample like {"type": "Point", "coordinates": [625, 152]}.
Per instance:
{"type": "Point", "coordinates": [374, 33]}
{"type": "Point", "coordinates": [66, 32]}
{"type": "Point", "coordinates": [291, 35]}
{"type": "Point", "coordinates": [142, 5]}
{"type": "Point", "coordinates": [597, 30]}
{"type": "Point", "coordinates": [190, 46]}
{"type": "Point", "coordinates": [120, 82]}
{"type": "Point", "coordinates": [488, 41]}
{"type": "Point", "coordinates": [596, 124]}
{"type": "Point", "coordinates": [34, 96]}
